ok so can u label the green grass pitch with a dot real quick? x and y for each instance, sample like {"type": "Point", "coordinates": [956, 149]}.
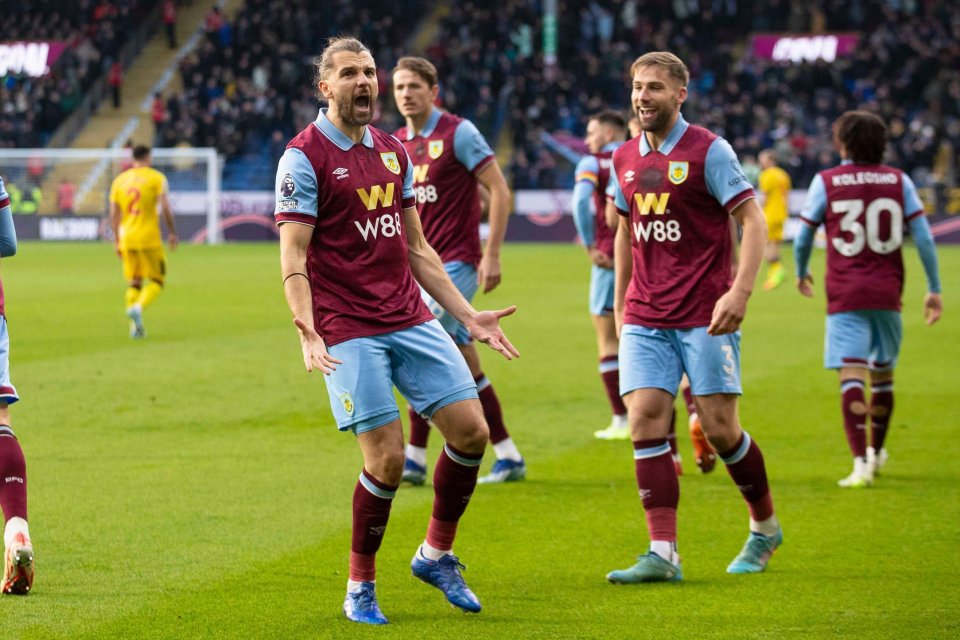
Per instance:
{"type": "Point", "coordinates": [192, 485]}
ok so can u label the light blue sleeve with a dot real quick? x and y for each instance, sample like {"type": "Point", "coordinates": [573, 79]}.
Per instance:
{"type": "Point", "coordinates": [612, 186]}
{"type": "Point", "coordinates": [815, 206]}
{"type": "Point", "coordinates": [618, 198]}
{"type": "Point", "coordinates": [911, 199]}
{"type": "Point", "coordinates": [723, 173]}
{"type": "Point", "coordinates": [296, 184]}
{"type": "Point", "coordinates": [8, 233]}
{"type": "Point", "coordinates": [587, 166]}
{"type": "Point", "coordinates": [583, 211]}
{"type": "Point", "coordinates": [470, 146]}
{"type": "Point", "coordinates": [408, 191]}
{"type": "Point", "coordinates": [923, 237]}
{"type": "Point", "coordinates": [802, 246]}
{"type": "Point", "coordinates": [812, 216]}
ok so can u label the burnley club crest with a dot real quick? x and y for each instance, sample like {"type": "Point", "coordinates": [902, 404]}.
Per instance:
{"type": "Point", "coordinates": [390, 162]}
{"type": "Point", "coordinates": [435, 150]}
{"type": "Point", "coordinates": [677, 172]}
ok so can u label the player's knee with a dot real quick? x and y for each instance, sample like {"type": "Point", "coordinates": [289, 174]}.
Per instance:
{"type": "Point", "coordinates": [474, 435]}
{"type": "Point", "coordinates": [387, 466]}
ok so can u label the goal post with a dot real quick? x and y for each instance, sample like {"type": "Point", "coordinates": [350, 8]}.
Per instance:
{"type": "Point", "coordinates": [46, 183]}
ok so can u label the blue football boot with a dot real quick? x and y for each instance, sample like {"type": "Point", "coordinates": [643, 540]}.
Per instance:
{"type": "Point", "coordinates": [444, 574]}
{"type": "Point", "coordinates": [649, 568]}
{"type": "Point", "coordinates": [505, 471]}
{"type": "Point", "coordinates": [361, 605]}
{"type": "Point", "coordinates": [756, 553]}
{"type": "Point", "coordinates": [413, 472]}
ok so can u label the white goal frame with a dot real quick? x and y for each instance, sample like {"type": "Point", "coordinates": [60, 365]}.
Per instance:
{"type": "Point", "coordinates": [104, 157]}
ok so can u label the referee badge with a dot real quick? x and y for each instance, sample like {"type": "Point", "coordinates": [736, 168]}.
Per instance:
{"type": "Point", "coordinates": [677, 172]}
{"type": "Point", "coordinates": [435, 150]}
{"type": "Point", "coordinates": [390, 162]}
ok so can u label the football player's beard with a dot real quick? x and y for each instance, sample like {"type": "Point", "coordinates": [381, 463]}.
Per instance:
{"type": "Point", "coordinates": [345, 110]}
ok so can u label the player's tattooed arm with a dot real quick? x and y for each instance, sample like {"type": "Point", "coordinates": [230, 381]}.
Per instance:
{"type": "Point", "coordinates": [623, 270]}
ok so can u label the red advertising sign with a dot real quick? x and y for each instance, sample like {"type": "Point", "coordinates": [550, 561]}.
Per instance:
{"type": "Point", "coordinates": [31, 58]}
{"type": "Point", "coordinates": [805, 47]}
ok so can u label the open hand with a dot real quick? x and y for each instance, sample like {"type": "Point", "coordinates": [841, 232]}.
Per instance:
{"type": "Point", "coordinates": [315, 354]}
{"type": "Point", "coordinates": [485, 328]}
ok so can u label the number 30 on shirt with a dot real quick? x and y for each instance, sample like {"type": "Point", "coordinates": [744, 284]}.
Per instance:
{"type": "Point", "coordinates": [867, 232]}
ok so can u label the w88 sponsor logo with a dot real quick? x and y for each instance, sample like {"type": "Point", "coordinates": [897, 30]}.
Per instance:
{"type": "Point", "coordinates": [387, 225]}
{"type": "Point", "coordinates": [657, 230]}
{"type": "Point", "coordinates": [426, 194]}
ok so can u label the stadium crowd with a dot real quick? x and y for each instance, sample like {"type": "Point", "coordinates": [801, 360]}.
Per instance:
{"type": "Point", "coordinates": [905, 68]}
{"type": "Point", "coordinates": [247, 88]}
{"type": "Point", "coordinates": [94, 31]}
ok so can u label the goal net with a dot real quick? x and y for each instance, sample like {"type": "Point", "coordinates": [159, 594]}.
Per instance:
{"type": "Point", "coordinates": [55, 186]}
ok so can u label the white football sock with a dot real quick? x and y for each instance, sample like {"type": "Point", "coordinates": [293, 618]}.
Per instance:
{"type": "Point", "coordinates": [766, 527]}
{"type": "Point", "coordinates": [432, 553]}
{"type": "Point", "coordinates": [666, 550]}
{"type": "Point", "coordinates": [14, 526]}
{"type": "Point", "coordinates": [417, 454]}
{"type": "Point", "coordinates": [354, 585]}
{"type": "Point", "coordinates": [507, 450]}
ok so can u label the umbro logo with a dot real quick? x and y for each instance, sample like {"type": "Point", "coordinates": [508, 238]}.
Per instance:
{"type": "Point", "coordinates": [628, 176]}
{"type": "Point", "coordinates": [378, 531]}
{"type": "Point", "coordinates": [645, 493]}
{"type": "Point", "coordinates": [341, 173]}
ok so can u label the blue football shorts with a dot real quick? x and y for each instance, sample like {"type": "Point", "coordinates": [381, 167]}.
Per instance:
{"type": "Point", "coordinates": [863, 339]}
{"type": "Point", "coordinates": [657, 359]}
{"type": "Point", "coordinates": [421, 361]}
{"type": "Point", "coordinates": [464, 277]}
{"type": "Point", "coordinates": [601, 291]}
{"type": "Point", "coordinates": [7, 393]}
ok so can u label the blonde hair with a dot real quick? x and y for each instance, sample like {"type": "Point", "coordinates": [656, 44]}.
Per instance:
{"type": "Point", "coordinates": [665, 59]}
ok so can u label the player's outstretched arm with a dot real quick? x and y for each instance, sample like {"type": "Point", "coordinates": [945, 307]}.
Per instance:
{"type": "Point", "coordinates": [731, 308]}
{"type": "Point", "coordinates": [425, 264]}
{"type": "Point", "coordinates": [294, 240]}
{"type": "Point", "coordinates": [491, 177]}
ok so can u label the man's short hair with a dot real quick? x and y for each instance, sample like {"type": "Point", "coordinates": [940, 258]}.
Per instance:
{"type": "Point", "coordinates": [420, 66]}
{"type": "Point", "coordinates": [674, 65]}
{"type": "Point", "coordinates": [323, 64]}
{"type": "Point", "coordinates": [141, 152]}
{"type": "Point", "coordinates": [862, 134]}
{"type": "Point", "coordinates": [610, 118]}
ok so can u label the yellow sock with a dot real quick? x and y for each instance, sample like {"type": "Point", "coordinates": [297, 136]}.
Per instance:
{"type": "Point", "coordinates": [149, 293]}
{"type": "Point", "coordinates": [130, 297]}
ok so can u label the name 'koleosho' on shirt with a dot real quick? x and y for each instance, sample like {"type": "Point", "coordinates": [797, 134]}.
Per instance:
{"type": "Point", "coordinates": [678, 200]}
{"type": "Point", "coordinates": [448, 154]}
{"type": "Point", "coordinates": [353, 195]}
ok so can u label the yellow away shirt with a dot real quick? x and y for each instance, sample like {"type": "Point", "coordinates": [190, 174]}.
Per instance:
{"type": "Point", "coordinates": [137, 191]}
{"type": "Point", "coordinates": [775, 186]}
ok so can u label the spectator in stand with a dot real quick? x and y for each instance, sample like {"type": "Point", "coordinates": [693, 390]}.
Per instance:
{"type": "Point", "coordinates": [158, 113]}
{"type": "Point", "coordinates": [170, 22]}
{"type": "Point", "coordinates": [115, 79]}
